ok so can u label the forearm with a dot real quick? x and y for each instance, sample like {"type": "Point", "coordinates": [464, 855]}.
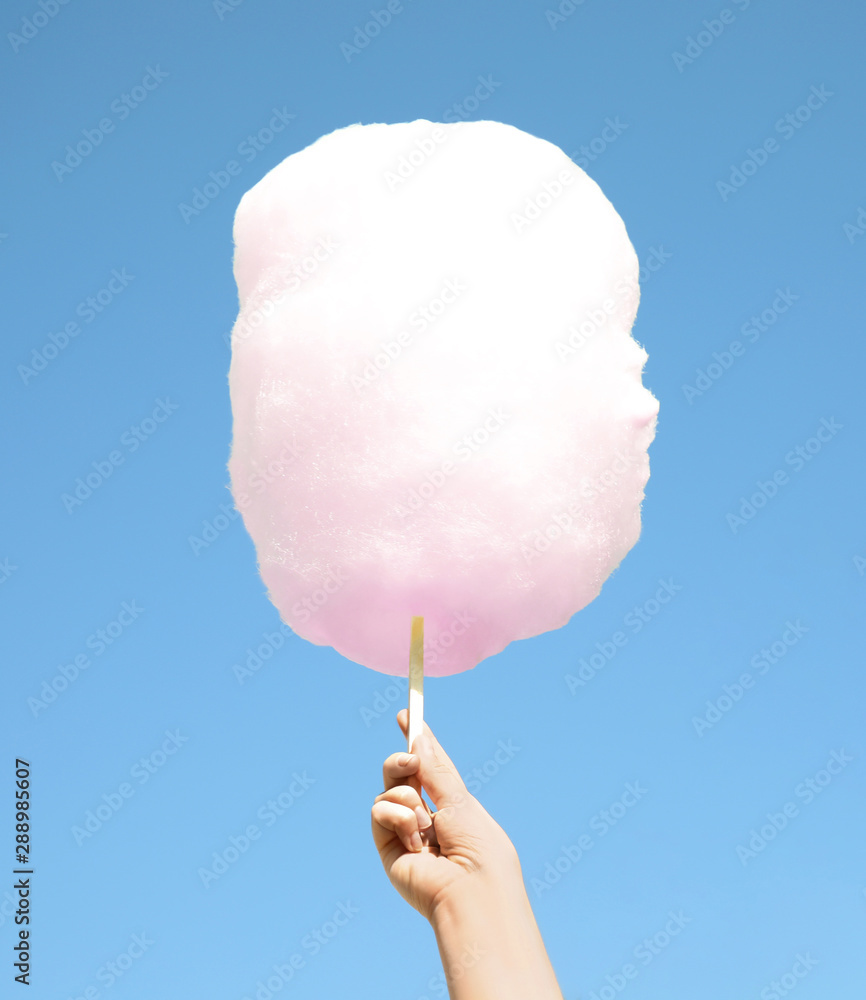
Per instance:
{"type": "Point", "coordinates": [491, 948]}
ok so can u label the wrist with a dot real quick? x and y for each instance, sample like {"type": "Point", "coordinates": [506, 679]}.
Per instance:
{"type": "Point", "coordinates": [477, 895]}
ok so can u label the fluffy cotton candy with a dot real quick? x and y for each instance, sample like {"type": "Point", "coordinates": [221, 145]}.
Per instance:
{"type": "Point", "coordinates": [438, 407]}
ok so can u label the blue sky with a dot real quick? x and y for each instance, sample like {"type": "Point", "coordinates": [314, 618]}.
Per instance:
{"type": "Point", "coordinates": [744, 212]}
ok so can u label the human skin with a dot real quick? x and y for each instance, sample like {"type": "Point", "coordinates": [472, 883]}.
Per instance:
{"type": "Point", "coordinates": [459, 869]}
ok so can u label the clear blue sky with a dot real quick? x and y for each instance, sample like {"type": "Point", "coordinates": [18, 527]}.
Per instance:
{"type": "Point", "coordinates": [143, 378]}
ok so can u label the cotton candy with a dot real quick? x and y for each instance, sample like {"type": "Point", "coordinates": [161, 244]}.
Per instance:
{"type": "Point", "coordinates": [437, 401]}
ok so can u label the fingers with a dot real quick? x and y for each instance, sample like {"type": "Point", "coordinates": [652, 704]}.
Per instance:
{"type": "Point", "coordinates": [409, 798]}
{"type": "Point", "coordinates": [398, 814]}
{"type": "Point", "coordinates": [403, 720]}
{"type": "Point", "coordinates": [438, 775]}
{"type": "Point", "coordinates": [397, 768]}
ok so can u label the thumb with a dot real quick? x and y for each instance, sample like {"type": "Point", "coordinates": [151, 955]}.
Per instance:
{"type": "Point", "coordinates": [438, 775]}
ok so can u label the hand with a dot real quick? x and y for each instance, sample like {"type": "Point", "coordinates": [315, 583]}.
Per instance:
{"type": "Point", "coordinates": [465, 848]}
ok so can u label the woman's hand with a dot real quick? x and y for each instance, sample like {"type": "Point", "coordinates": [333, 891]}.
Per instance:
{"type": "Point", "coordinates": [463, 847]}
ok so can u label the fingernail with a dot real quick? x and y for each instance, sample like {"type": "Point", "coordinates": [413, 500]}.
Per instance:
{"type": "Point", "coordinates": [415, 840]}
{"type": "Point", "coordinates": [423, 817]}
{"type": "Point", "coordinates": [405, 760]}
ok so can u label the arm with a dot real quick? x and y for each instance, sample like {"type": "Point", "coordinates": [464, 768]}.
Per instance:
{"type": "Point", "coordinates": [463, 875]}
{"type": "Point", "coordinates": [491, 948]}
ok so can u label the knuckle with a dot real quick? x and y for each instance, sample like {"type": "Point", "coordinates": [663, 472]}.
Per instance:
{"type": "Point", "coordinates": [405, 795]}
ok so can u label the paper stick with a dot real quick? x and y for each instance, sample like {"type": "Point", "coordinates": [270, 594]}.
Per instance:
{"type": "Point", "coordinates": [416, 681]}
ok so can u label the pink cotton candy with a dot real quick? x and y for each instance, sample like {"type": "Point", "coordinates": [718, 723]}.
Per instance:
{"type": "Point", "coordinates": [438, 407]}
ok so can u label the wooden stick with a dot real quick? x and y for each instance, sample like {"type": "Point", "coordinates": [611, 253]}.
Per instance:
{"type": "Point", "coordinates": [416, 681]}
{"type": "Point", "coordinates": [416, 715]}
